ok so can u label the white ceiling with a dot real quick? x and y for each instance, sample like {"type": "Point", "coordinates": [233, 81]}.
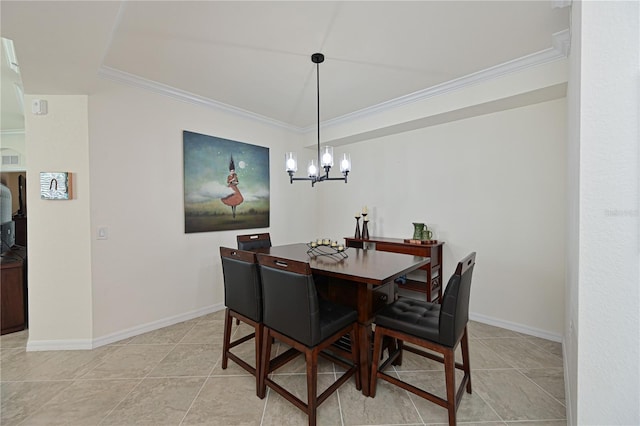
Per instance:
{"type": "Point", "coordinates": [255, 56]}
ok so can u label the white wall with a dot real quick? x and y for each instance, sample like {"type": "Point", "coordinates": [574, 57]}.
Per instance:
{"type": "Point", "coordinates": [59, 250]}
{"type": "Point", "coordinates": [604, 296]}
{"type": "Point", "coordinates": [149, 272]}
{"type": "Point", "coordinates": [494, 184]}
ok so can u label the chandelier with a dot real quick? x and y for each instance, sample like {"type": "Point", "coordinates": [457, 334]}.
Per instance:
{"type": "Point", "coordinates": [325, 157]}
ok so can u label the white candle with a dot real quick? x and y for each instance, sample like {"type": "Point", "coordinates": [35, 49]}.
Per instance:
{"type": "Point", "coordinates": [340, 247]}
{"type": "Point", "coordinates": [334, 244]}
{"type": "Point", "coordinates": [364, 210]}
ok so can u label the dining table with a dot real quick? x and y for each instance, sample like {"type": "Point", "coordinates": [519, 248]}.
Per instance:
{"type": "Point", "coordinates": [362, 279]}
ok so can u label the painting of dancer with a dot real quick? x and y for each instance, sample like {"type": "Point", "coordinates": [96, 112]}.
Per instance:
{"type": "Point", "coordinates": [226, 184]}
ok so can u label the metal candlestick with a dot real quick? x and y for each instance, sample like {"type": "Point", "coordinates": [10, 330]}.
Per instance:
{"type": "Point", "coordinates": [357, 236]}
{"type": "Point", "coordinates": [365, 228]}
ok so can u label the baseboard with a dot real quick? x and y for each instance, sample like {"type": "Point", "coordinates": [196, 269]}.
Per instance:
{"type": "Point", "coordinates": [520, 328]}
{"type": "Point", "coordinates": [567, 387]}
{"type": "Point", "coordinates": [86, 344]}
{"type": "Point", "coordinates": [59, 345]}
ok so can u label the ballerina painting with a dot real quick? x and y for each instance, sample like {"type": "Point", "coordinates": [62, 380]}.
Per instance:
{"type": "Point", "coordinates": [234, 199]}
{"type": "Point", "coordinates": [222, 173]}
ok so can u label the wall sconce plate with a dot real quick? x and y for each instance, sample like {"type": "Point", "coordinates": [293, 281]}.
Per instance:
{"type": "Point", "coordinates": [55, 185]}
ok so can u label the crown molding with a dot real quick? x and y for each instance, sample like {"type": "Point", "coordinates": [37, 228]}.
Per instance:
{"type": "Point", "coordinates": [12, 132]}
{"type": "Point", "coordinates": [118, 76]}
{"type": "Point", "coordinates": [560, 50]}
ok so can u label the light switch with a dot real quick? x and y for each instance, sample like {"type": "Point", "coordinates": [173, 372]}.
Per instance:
{"type": "Point", "coordinates": [103, 233]}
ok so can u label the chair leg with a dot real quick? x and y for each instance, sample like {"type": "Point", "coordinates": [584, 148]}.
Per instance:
{"type": "Point", "coordinates": [228, 320]}
{"type": "Point", "coordinates": [312, 385]}
{"type": "Point", "coordinates": [464, 346]}
{"type": "Point", "coordinates": [355, 356]}
{"type": "Point", "coordinates": [450, 379]}
{"type": "Point", "coordinates": [265, 351]}
{"type": "Point", "coordinates": [377, 352]}
{"type": "Point", "coordinates": [258, 349]}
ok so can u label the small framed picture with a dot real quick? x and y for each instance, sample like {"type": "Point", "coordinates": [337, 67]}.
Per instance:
{"type": "Point", "coordinates": [55, 185]}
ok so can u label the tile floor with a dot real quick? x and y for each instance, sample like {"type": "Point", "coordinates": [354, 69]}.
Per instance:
{"type": "Point", "coordinates": [172, 376]}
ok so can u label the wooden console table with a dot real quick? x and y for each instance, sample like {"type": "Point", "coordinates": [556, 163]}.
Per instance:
{"type": "Point", "coordinates": [433, 284]}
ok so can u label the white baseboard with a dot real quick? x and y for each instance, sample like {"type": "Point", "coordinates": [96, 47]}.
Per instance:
{"type": "Point", "coordinates": [86, 344]}
{"type": "Point", "coordinates": [520, 328]}
{"type": "Point", "coordinates": [59, 345]}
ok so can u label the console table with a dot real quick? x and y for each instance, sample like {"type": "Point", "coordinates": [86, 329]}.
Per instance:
{"type": "Point", "coordinates": [432, 286]}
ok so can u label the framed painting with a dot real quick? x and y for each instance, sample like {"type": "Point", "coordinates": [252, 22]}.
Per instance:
{"type": "Point", "coordinates": [226, 184]}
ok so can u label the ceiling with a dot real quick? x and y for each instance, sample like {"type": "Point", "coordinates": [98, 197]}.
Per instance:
{"type": "Point", "coordinates": [254, 57]}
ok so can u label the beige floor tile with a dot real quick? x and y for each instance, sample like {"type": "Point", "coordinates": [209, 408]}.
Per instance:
{"type": "Point", "coordinates": [391, 406]}
{"type": "Point", "coordinates": [205, 332]}
{"type": "Point", "coordinates": [14, 340]}
{"type": "Point", "coordinates": [162, 401]}
{"type": "Point", "coordinates": [279, 411]}
{"type": "Point", "coordinates": [129, 362]}
{"type": "Point", "coordinates": [539, 423]}
{"type": "Point", "coordinates": [514, 397]}
{"type": "Point", "coordinates": [478, 330]}
{"type": "Point", "coordinates": [51, 365]}
{"type": "Point", "coordinates": [472, 406]}
{"type": "Point", "coordinates": [521, 353]}
{"type": "Point", "coordinates": [85, 402]}
{"type": "Point", "coordinates": [245, 351]}
{"type": "Point", "coordinates": [549, 379]}
{"type": "Point", "coordinates": [188, 360]}
{"type": "Point", "coordinates": [171, 334]}
{"type": "Point", "coordinates": [22, 399]}
{"type": "Point", "coordinates": [548, 345]}
{"type": "Point", "coordinates": [227, 401]}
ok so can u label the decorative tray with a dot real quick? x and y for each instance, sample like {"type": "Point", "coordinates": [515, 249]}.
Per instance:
{"type": "Point", "coordinates": [421, 242]}
{"type": "Point", "coordinates": [327, 250]}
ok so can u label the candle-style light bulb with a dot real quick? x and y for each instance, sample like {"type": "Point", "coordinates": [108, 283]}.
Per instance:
{"type": "Point", "coordinates": [327, 156]}
{"type": "Point", "coordinates": [290, 161]}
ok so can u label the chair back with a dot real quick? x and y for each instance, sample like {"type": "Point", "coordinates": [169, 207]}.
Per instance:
{"type": "Point", "coordinates": [242, 287]}
{"type": "Point", "coordinates": [253, 241]}
{"type": "Point", "coordinates": [454, 312]}
{"type": "Point", "coordinates": [290, 300]}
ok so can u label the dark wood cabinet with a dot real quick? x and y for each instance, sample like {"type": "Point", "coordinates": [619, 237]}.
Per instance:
{"type": "Point", "coordinates": [13, 290]}
{"type": "Point", "coordinates": [432, 286]}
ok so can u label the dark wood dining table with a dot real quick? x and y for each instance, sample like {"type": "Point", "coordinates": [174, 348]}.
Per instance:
{"type": "Point", "coordinates": [363, 280]}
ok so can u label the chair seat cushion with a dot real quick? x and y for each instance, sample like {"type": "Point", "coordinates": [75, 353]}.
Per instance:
{"type": "Point", "coordinates": [411, 316]}
{"type": "Point", "coordinates": [333, 317]}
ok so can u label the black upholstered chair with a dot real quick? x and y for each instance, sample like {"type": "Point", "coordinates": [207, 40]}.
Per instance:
{"type": "Point", "coordinates": [253, 241]}
{"type": "Point", "coordinates": [437, 328]}
{"type": "Point", "coordinates": [294, 315]}
{"type": "Point", "coordinates": [243, 299]}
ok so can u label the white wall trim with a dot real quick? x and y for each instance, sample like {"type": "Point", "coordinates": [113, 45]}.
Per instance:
{"type": "Point", "coordinates": [567, 388]}
{"type": "Point", "coordinates": [87, 344]}
{"type": "Point", "coordinates": [555, 53]}
{"type": "Point", "coordinates": [118, 76]}
{"type": "Point", "coordinates": [520, 328]}
{"type": "Point", "coordinates": [560, 49]}
{"type": "Point", "coordinates": [12, 132]}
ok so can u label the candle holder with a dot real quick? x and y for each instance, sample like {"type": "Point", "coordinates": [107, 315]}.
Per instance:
{"type": "Point", "coordinates": [365, 227]}
{"type": "Point", "coordinates": [357, 236]}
